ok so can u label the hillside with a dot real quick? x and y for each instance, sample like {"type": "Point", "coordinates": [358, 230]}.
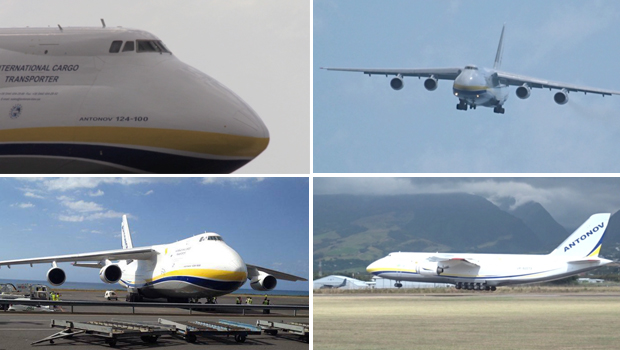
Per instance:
{"type": "Point", "coordinates": [351, 231]}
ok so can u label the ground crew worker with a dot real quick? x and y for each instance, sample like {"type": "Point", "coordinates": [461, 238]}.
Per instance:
{"type": "Point", "coordinates": [248, 300]}
{"type": "Point", "coordinates": [266, 302]}
{"type": "Point", "coordinates": [238, 301]}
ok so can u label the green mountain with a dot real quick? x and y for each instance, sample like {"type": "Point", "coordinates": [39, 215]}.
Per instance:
{"type": "Point", "coordinates": [538, 219]}
{"type": "Point", "coordinates": [350, 231]}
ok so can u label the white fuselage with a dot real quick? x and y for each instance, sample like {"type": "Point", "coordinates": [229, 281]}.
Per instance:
{"type": "Point", "coordinates": [110, 100]}
{"type": "Point", "coordinates": [196, 267]}
{"type": "Point", "coordinates": [479, 87]}
{"type": "Point", "coordinates": [493, 269]}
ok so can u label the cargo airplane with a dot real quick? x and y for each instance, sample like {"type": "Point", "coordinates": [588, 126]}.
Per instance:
{"type": "Point", "coordinates": [116, 100]}
{"type": "Point", "coordinates": [197, 267]}
{"type": "Point", "coordinates": [475, 86]}
{"type": "Point", "coordinates": [577, 254]}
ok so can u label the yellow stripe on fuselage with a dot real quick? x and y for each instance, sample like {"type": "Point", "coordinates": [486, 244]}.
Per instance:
{"type": "Point", "coordinates": [470, 87]}
{"type": "Point", "coordinates": [180, 140]}
{"type": "Point", "coordinates": [220, 275]}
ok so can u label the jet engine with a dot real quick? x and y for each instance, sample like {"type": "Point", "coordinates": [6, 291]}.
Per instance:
{"type": "Point", "coordinates": [56, 276]}
{"type": "Point", "coordinates": [430, 269]}
{"type": "Point", "coordinates": [561, 97]}
{"type": "Point", "coordinates": [397, 83]}
{"type": "Point", "coordinates": [263, 281]}
{"type": "Point", "coordinates": [523, 91]}
{"type": "Point", "coordinates": [110, 273]}
{"type": "Point", "coordinates": [431, 83]}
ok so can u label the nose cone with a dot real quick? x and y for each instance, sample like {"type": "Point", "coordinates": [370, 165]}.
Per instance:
{"type": "Point", "coordinates": [372, 268]}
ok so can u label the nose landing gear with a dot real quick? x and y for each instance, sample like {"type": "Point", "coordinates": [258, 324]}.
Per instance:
{"type": "Point", "coordinates": [462, 105]}
{"type": "Point", "coordinates": [499, 110]}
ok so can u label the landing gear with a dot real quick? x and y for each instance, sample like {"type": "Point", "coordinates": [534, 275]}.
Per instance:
{"type": "Point", "coordinates": [462, 106]}
{"type": "Point", "coordinates": [133, 298]}
{"type": "Point", "coordinates": [474, 286]}
{"type": "Point", "coordinates": [499, 110]}
{"type": "Point", "coordinates": [398, 285]}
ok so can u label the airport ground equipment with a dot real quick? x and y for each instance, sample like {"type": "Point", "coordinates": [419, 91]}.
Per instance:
{"type": "Point", "coordinates": [297, 328]}
{"type": "Point", "coordinates": [110, 331]}
{"type": "Point", "coordinates": [190, 307]}
{"type": "Point", "coordinates": [190, 330]}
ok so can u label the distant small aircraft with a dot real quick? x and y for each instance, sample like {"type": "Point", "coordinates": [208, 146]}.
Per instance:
{"type": "Point", "coordinates": [577, 254]}
{"type": "Point", "coordinates": [480, 87]}
{"type": "Point", "coordinates": [334, 286]}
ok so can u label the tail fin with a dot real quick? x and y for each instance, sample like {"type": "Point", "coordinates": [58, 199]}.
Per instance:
{"type": "Point", "coordinates": [125, 234]}
{"type": "Point", "coordinates": [586, 241]}
{"type": "Point", "coordinates": [500, 50]}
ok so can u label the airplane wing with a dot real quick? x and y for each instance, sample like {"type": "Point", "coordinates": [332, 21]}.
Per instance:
{"type": "Point", "coordinates": [518, 80]}
{"type": "Point", "coordinates": [439, 73]}
{"type": "Point", "coordinates": [119, 254]}
{"type": "Point", "coordinates": [274, 273]}
{"type": "Point", "coordinates": [456, 259]}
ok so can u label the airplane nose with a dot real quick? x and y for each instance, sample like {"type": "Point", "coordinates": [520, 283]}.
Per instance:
{"type": "Point", "coordinates": [371, 267]}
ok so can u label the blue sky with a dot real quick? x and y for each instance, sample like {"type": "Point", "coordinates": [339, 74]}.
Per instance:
{"type": "Point", "coordinates": [264, 219]}
{"type": "Point", "coordinates": [362, 125]}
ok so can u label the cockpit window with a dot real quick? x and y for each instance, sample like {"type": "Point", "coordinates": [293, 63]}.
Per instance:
{"type": "Point", "coordinates": [211, 238]}
{"type": "Point", "coordinates": [151, 46]}
{"type": "Point", "coordinates": [129, 46]}
{"type": "Point", "coordinates": [116, 46]}
{"type": "Point", "coordinates": [471, 67]}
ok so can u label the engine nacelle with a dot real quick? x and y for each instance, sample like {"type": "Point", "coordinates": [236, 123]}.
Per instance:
{"type": "Point", "coordinates": [56, 276]}
{"type": "Point", "coordinates": [430, 84]}
{"type": "Point", "coordinates": [430, 269]}
{"type": "Point", "coordinates": [523, 91]}
{"type": "Point", "coordinates": [561, 97]}
{"type": "Point", "coordinates": [110, 273]}
{"type": "Point", "coordinates": [397, 83]}
{"type": "Point", "coordinates": [263, 281]}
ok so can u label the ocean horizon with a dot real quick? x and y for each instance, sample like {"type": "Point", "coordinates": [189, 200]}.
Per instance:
{"type": "Point", "coordinates": [102, 286]}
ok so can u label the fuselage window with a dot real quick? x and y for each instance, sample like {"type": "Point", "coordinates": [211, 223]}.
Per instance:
{"type": "Point", "coordinates": [129, 46]}
{"type": "Point", "coordinates": [116, 46]}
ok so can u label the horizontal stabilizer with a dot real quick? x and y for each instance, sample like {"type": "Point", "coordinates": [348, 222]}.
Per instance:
{"type": "Point", "coordinates": [274, 273]}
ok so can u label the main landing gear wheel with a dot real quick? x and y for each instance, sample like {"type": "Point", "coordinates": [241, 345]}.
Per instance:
{"type": "Point", "coordinates": [499, 110]}
{"type": "Point", "coordinates": [398, 285]}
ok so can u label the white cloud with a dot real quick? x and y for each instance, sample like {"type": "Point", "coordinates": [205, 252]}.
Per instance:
{"type": "Point", "coordinates": [23, 205]}
{"type": "Point", "coordinates": [110, 214]}
{"type": "Point", "coordinates": [33, 195]}
{"type": "Point", "coordinates": [149, 192]}
{"type": "Point", "coordinates": [73, 183]}
{"type": "Point", "coordinates": [96, 194]}
{"type": "Point", "coordinates": [82, 206]}
{"type": "Point", "coordinates": [238, 182]}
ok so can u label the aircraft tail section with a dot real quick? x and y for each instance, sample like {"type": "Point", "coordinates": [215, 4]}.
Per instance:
{"type": "Point", "coordinates": [500, 50]}
{"type": "Point", "coordinates": [125, 234]}
{"type": "Point", "coordinates": [587, 240]}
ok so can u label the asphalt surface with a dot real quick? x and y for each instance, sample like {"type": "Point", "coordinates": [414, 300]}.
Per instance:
{"type": "Point", "coordinates": [19, 329]}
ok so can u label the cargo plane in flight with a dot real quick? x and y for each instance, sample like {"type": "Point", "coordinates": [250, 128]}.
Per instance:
{"type": "Point", "coordinates": [197, 267]}
{"type": "Point", "coordinates": [116, 100]}
{"type": "Point", "coordinates": [577, 254]}
{"type": "Point", "coordinates": [475, 86]}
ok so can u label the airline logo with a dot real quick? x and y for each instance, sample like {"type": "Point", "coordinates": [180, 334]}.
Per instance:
{"type": "Point", "coordinates": [584, 236]}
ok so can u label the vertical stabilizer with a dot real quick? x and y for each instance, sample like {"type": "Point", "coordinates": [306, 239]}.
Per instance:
{"type": "Point", "coordinates": [587, 240]}
{"type": "Point", "coordinates": [125, 234]}
{"type": "Point", "coordinates": [500, 50]}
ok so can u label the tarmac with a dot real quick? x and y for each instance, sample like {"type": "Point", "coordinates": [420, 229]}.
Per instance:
{"type": "Point", "coordinates": [19, 329]}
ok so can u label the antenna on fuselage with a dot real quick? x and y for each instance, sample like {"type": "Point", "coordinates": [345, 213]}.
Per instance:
{"type": "Point", "coordinates": [60, 27]}
{"type": "Point", "coordinates": [103, 23]}
{"type": "Point", "coordinates": [500, 49]}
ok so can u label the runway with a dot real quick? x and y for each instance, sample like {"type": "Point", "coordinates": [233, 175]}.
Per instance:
{"type": "Point", "coordinates": [18, 329]}
{"type": "Point", "coordinates": [554, 320]}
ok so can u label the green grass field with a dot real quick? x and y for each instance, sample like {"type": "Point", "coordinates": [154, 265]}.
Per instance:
{"type": "Point", "coordinates": [479, 321]}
